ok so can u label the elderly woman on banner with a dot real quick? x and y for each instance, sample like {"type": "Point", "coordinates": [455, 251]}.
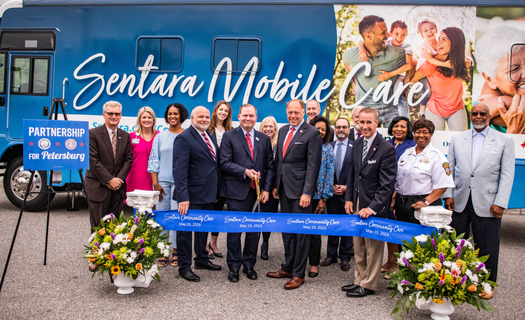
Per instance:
{"type": "Point", "coordinates": [160, 166]}
{"type": "Point", "coordinates": [504, 88]}
{"type": "Point", "coordinates": [423, 175]}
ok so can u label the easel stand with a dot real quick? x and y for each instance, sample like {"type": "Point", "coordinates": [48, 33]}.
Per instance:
{"type": "Point", "coordinates": [54, 110]}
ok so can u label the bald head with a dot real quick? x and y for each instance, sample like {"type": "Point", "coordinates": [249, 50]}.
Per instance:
{"type": "Point", "coordinates": [200, 118]}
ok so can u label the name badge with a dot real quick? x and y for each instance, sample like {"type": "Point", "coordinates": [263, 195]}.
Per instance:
{"type": "Point", "coordinates": [135, 141]}
{"type": "Point", "coordinates": [371, 161]}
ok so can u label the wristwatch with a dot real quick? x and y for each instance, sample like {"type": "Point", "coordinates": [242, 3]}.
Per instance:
{"type": "Point", "coordinates": [426, 202]}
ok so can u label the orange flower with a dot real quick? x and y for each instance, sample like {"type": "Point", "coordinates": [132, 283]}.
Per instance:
{"type": "Point", "coordinates": [102, 231]}
{"type": "Point", "coordinates": [484, 295]}
{"type": "Point", "coordinates": [439, 301]}
{"type": "Point", "coordinates": [108, 257]}
{"type": "Point", "coordinates": [92, 259]}
{"type": "Point", "coordinates": [419, 286]}
{"type": "Point", "coordinates": [438, 266]}
{"type": "Point", "coordinates": [443, 276]}
{"type": "Point", "coordinates": [130, 235]}
{"type": "Point", "coordinates": [472, 288]}
{"type": "Point", "coordinates": [115, 270]}
{"type": "Point", "coordinates": [459, 264]}
{"type": "Point", "coordinates": [138, 266]}
{"type": "Point", "coordinates": [455, 281]}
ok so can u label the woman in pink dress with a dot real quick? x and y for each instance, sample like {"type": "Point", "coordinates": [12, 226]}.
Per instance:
{"type": "Point", "coordinates": [141, 143]}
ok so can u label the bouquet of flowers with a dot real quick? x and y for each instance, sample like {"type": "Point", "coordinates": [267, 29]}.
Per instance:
{"type": "Point", "coordinates": [131, 246]}
{"type": "Point", "coordinates": [441, 266]}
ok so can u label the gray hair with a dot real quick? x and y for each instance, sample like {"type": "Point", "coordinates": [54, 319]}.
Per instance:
{"type": "Point", "coordinates": [494, 46]}
{"type": "Point", "coordinates": [356, 108]}
{"type": "Point", "coordinates": [111, 104]}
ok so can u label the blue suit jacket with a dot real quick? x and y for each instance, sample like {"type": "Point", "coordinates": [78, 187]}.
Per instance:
{"type": "Point", "coordinates": [407, 143]}
{"type": "Point", "coordinates": [373, 179]}
{"type": "Point", "coordinates": [236, 158]}
{"type": "Point", "coordinates": [196, 174]}
{"type": "Point", "coordinates": [343, 176]}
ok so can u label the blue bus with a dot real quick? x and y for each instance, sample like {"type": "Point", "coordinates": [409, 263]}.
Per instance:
{"type": "Point", "coordinates": [144, 53]}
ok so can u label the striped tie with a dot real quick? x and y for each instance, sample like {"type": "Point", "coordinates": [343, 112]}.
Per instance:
{"type": "Point", "coordinates": [209, 146]}
{"type": "Point", "coordinates": [114, 143]}
{"type": "Point", "coordinates": [365, 150]}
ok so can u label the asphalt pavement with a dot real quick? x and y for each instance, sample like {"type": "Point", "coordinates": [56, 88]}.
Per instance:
{"type": "Point", "coordinates": [65, 289]}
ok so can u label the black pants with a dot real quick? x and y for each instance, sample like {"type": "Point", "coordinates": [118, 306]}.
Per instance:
{"type": "Point", "coordinates": [113, 203]}
{"type": "Point", "coordinates": [296, 246]}
{"type": "Point", "coordinates": [487, 232]}
{"type": "Point", "coordinates": [272, 205]}
{"type": "Point", "coordinates": [184, 244]}
{"type": "Point", "coordinates": [336, 205]}
{"type": "Point", "coordinates": [218, 206]}
{"type": "Point", "coordinates": [247, 256]}
{"type": "Point", "coordinates": [314, 255]}
{"type": "Point", "coordinates": [404, 210]}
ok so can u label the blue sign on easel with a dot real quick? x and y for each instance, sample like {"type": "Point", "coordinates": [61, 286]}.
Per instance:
{"type": "Point", "coordinates": [56, 145]}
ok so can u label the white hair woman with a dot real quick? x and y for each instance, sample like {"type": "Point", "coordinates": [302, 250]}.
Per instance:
{"type": "Point", "coordinates": [504, 79]}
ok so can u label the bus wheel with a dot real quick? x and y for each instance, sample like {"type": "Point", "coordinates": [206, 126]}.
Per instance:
{"type": "Point", "coordinates": [16, 181]}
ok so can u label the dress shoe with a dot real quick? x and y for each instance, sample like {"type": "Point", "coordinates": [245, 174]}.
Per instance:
{"type": "Point", "coordinates": [349, 287]}
{"type": "Point", "coordinates": [264, 250]}
{"type": "Point", "coordinates": [190, 276]}
{"type": "Point", "coordinates": [328, 261]}
{"type": "Point", "coordinates": [294, 283]}
{"type": "Point", "coordinates": [312, 274]}
{"type": "Point", "coordinates": [213, 253]}
{"type": "Point", "coordinates": [345, 265]}
{"type": "Point", "coordinates": [208, 266]}
{"type": "Point", "coordinates": [279, 274]}
{"type": "Point", "coordinates": [250, 273]}
{"type": "Point", "coordinates": [233, 275]}
{"type": "Point", "coordinates": [359, 292]}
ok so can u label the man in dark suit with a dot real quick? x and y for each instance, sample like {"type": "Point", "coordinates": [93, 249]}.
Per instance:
{"type": "Point", "coordinates": [368, 193]}
{"type": "Point", "coordinates": [196, 172]}
{"type": "Point", "coordinates": [336, 205]}
{"type": "Point", "coordinates": [110, 158]}
{"type": "Point", "coordinates": [355, 132]}
{"type": "Point", "coordinates": [297, 166]}
{"type": "Point", "coordinates": [245, 154]}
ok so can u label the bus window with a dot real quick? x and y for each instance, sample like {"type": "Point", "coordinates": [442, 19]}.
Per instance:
{"type": "Point", "coordinates": [166, 52]}
{"type": "Point", "coordinates": [239, 50]}
{"type": "Point", "coordinates": [30, 76]}
{"type": "Point", "coordinates": [2, 73]}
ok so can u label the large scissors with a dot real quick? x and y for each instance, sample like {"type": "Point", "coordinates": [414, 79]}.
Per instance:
{"type": "Point", "coordinates": [257, 204]}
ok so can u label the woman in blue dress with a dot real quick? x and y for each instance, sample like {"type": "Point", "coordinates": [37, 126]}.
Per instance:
{"type": "Point", "coordinates": [400, 130]}
{"type": "Point", "coordinates": [324, 189]}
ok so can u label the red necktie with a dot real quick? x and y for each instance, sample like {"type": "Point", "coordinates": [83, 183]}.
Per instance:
{"type": "Point", "coordinates": [288, 139]}
{"type": "Point", "coordinates": [209, 146]}
{"type": "Point", "coordinates": [359, 135]}
{"type": "Point", "coordinates": [249, 140]}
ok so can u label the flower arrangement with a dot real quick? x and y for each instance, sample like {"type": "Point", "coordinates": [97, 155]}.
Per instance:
{"type": "Point", "coordinates": [441, 266]}
{"type": "Point", "coordinates": [131, 246]}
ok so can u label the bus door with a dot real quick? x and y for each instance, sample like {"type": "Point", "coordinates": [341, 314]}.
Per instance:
{"type": "Point", "coordinates": [30, 84]}
{"type": "Point", "coordinates": [3, 95]}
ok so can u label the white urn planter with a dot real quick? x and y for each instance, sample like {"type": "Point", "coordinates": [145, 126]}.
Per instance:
{"type": "Point", "coordinates": [142, 200]}
{"type": "Point", "coordinates": [124, 283]}
{"type": "Point", "coordinates": [441, 311]}
{"type": "Point", "coordinates": [434, 216]}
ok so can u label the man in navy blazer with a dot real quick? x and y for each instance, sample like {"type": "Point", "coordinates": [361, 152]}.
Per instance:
{"type": "Point", "coordinates": [336, 205]}
{"type": "Point", "coordinates": [369, 188]}
{"type": "Point", "coordinates": [297, 166]}
{"type": "Point", "coordinates": [196, 172]}
{"type": "Point", "coordinates": [245, 154]}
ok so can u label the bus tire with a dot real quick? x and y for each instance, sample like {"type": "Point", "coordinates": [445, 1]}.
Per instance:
{"type": "Point", "coordinates": [16, 181]}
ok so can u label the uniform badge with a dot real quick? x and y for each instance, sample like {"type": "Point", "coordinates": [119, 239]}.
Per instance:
{"type": "Point", "coordinates": [135, 141]}
{"type": "Point", "coordinates": [446, 166]}
{"type": "Point", "coordinates": [426, 160]}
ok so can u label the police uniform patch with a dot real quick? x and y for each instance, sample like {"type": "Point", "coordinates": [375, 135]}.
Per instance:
{"type": "Point", "coordinates": [446, 166]}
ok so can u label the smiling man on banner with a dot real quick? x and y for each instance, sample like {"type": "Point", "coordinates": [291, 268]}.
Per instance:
{"type": "Point", "coordinates": [368, 193]}
{"type": "Point", "coordinates": [245, 155]}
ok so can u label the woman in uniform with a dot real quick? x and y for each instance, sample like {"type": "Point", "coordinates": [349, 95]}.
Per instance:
{"type": "Point", "coordinates": [423, 175]}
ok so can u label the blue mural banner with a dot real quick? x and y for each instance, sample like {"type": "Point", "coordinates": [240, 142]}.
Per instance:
{"type": "Point", "coordinates": [56, 144]}
{"type": "Point", "coordinates": [324, 224]}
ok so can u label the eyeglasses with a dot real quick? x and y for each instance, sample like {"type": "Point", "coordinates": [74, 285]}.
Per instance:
{"type": "Point", "coordinates": [341, 127]}
{"type": "Point", "coordinates": [475, 114]}
{"type": "Point", "coordinates": [114, 114]}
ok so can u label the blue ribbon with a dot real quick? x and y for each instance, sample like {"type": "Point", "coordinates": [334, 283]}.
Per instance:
{"type": "Point", "coordinates": [324, 224]}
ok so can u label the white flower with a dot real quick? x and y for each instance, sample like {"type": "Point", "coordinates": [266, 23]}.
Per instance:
{"type": "Point", "coordinates": [400, 261]}
{"type": "Point", "coordinates": [473, 277]}
{"type": "Point", "coordinates": [487, 288]}
{"type": "Point", "coordinates": [400, 288]}
{"type": "Point", "coordinates": [118, 238]}
{"type": "Point", "coordinates": [107, 217]}
{"type": "Point", "coordinates": [100, 252]}
{"type": "Point", "coordinates": [133, 254]}
{"type": "Point", "coordinates": [123, 225]}
{"type": "Point", "coordinates": [166, 252]}
{"type": "Point", "coordinates": [449, 228]}
{"type": "Point", "coordinates": [409, 255]}
{"type": "Point", "coordinates": [92, 237]}
{"type": "Point", "coordinates": [133, 228]}
{"type": "Point", "coordinates": [422, 238]}
{"type": "Point", "coordinates": [161, 245]}
{"type": "Point", "coordinates": [448, 264]}
{"type": "Point", "coordinates": [105, 246]}
{"type": "Point", "coordinates": [154, 270]}
{"type": "Point", "coordinates": [426, 267]}
{"type": "Point", "coordinates": [130, 260]}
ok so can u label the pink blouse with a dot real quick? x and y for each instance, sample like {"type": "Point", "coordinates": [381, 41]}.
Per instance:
{"type": "Point", "coordinates": [139, 177]}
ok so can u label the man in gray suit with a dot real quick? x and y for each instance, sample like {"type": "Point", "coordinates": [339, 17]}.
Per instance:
{"type": "Point", "coordinates": [297, 165]}
{"type": "Point", "coordinates": [482, 164]}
